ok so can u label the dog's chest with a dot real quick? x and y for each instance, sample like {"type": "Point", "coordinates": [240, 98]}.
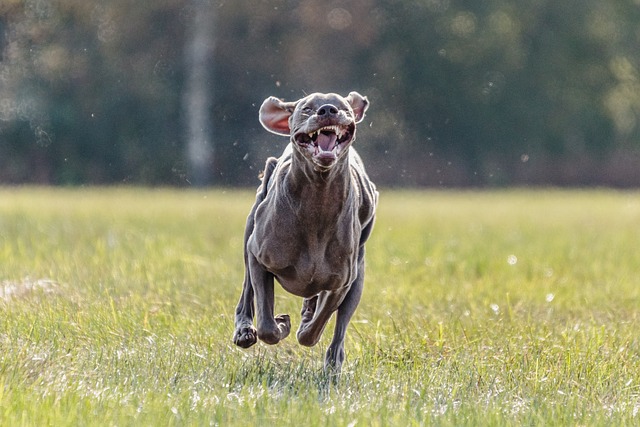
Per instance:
{"type": "Point", "coordinates": [307, 257]}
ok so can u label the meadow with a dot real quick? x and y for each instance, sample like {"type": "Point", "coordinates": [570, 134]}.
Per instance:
{"type": "Point", "coordinates": [505, 307]}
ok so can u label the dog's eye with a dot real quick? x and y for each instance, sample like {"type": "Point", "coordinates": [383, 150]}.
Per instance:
{"type": "Point", "coordinates": [307, 110]}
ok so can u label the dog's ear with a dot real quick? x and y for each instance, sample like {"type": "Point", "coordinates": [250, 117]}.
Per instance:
{"type": "Point", "coordinates": [359, 105]}
{"type": "Point", "coordinates": [274, 115]}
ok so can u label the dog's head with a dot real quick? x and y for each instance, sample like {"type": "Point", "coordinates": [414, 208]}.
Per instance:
{"type": "Point", "coordinates": [321, 126]}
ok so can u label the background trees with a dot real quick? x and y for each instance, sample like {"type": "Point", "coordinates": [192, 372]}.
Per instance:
{"type": "Point", "coordinates": [463, 92]}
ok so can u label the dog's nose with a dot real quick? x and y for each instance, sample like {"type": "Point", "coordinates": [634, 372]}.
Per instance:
{"type": "Point", "coordinates": [327, 110]}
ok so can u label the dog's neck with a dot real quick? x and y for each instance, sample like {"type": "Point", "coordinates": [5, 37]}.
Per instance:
{"type": "Point", "coordinates": [324, 190]}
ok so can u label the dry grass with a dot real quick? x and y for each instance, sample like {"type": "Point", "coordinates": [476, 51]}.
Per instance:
{"type": "Point", "coordinates": [488, 308]}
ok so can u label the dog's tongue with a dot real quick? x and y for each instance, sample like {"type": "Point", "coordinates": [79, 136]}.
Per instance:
{"type": "Point", "coordinates": [326, 140]}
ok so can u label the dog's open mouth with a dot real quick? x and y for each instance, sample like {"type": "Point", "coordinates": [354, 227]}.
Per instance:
{"type": "Point", "coordinates": [326, 143]}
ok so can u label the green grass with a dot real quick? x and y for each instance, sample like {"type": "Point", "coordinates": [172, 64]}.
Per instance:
{"type": "Point", "coordinates": [480, 308]}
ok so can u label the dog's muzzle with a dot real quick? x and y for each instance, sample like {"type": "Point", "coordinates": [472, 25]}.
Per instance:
{"type": "Point", "coordinates": [325, 144]}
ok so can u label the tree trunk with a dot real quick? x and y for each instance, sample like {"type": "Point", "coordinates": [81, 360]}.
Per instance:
{"type": "Point", "coordinates": [198, 93]}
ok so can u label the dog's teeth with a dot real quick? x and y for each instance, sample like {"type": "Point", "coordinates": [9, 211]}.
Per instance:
{"type": "Point", "coordinates": [338, 130]}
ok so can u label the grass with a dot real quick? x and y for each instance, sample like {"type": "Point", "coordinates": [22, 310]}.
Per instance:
{"type": "Point", "coordinates": [480, 308]}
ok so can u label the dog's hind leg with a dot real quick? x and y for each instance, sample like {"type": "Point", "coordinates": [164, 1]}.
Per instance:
{"type": "Point", "coordinates": [316, 312]}
{"type": "Point", "coordinates": [335, 353]}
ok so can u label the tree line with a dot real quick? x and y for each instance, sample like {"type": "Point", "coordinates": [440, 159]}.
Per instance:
{"type": "Point", "coordinates": [463, 93]}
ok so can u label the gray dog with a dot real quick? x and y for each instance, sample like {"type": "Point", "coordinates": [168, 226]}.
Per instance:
{"type": "Point", "coordinates": [312, 216]}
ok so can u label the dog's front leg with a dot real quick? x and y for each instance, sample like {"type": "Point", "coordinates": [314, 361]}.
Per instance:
{"type": "Point", "coordinates": [270, 329]}
{"type": "Point", "coordinates": [245, 334]}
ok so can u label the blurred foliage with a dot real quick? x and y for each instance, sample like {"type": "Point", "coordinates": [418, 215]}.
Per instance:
{"type": "Point", "coordinates": [463, 92]}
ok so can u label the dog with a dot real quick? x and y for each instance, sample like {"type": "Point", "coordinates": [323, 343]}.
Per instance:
{"type": "Point", "coordinates": [314, 211]}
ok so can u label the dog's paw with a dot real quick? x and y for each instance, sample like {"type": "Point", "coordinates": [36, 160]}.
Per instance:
{"type": "Point", "coordinates": [284, 325]}
{"type": "Point", "coordinates": [273, 332]}
{"type": "Point", "coordinates": [245, 336]}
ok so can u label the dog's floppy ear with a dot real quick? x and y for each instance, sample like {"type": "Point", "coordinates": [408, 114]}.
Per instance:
{"type": "Point", "coordinates": [359, 105]}
{"type": "Point", "coordinates": [274, 115]}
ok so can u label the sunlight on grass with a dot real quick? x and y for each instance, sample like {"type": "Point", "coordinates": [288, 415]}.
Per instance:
{"type": "Point", "coordinates": [506, 307]}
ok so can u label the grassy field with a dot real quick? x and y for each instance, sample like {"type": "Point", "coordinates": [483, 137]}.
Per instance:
{"type": "Point", "coordinates": [480, 308]}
